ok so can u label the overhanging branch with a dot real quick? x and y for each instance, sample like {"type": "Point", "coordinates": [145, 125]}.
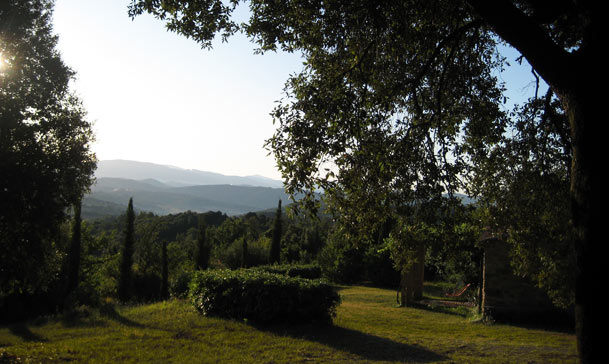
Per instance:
{"type": "Point", "coordinates": [516, 28]}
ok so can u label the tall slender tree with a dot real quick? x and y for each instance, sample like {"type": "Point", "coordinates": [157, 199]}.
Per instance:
{"type": "Point", "coordinates": [164, 271]}
{"type": "Point", "coordinates": [244, 252]}
{"type": "Point", "coordinates": [203, 247]}
{"type": "Point", "coordinates": [125, 269]}
{"type": "Point", "coordinates": [74, 251]}
{"type": "Point", "coordinates": [275, 252]}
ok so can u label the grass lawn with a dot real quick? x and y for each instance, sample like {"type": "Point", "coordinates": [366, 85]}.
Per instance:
{"type": "Point", "coordinates": [368, 328]}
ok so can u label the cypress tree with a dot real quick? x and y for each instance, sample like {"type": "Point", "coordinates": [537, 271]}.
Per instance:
{"type": "Point", "coordinates": [276, 242]}
{"type": "Point", "coordinates": [124, 283]}
{"type": "Point", "coordinates": [164, 272]}
{"type": "Point", "coordinates": [244, 253]}
{"type": "Point", "coordinates": [203, 248]}
{"type": "Point", "coordinates": [74, 251]}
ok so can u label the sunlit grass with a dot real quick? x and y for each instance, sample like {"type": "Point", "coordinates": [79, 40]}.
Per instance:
{"type": "Point", "coordinates": [369, 328]}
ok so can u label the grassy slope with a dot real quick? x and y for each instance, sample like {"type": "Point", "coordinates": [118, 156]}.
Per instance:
{"type": "Point", "coordinates": [369, 328]}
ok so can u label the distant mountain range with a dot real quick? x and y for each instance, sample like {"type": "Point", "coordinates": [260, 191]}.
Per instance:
{"type": "Point", "coordinates": [166, 189]}
{"type": "Point", "coordinates": [175, 176]}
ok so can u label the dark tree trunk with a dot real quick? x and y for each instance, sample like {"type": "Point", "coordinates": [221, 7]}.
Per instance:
{"type": "Point", "coordinates": [584, 114]}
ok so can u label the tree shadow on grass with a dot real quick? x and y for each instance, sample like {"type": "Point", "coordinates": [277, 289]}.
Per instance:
{"type": "Point", "coordinates": [455, 308]}
{"type": "Point", "coordinates": [112, 314]}
{"type": "Point", "coordinates": [25, 333]}
{"type": "Point", "coordinates": [367, 346]}
{"type": "Point", "coordinates": [556, 320]}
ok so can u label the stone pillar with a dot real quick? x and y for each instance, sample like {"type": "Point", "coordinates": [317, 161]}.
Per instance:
{"type": "Point", "coordinates": [505, 295]}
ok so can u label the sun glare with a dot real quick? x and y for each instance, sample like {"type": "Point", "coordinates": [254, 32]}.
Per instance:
{"type": "Point", "coordinates": [5, 61]}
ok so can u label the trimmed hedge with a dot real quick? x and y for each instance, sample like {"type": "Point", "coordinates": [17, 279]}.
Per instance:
{"type": "Point", "coordinates": [262, 297]}
{"type": "Point", "coordinates": [308, 271]}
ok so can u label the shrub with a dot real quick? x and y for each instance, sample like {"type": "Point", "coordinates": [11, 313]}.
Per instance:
{"type": "Point", "coordinates": [262, 297]}
{"type": "Point", "coordinates": [178, 287]}
{"type": "Point", "coordinates": [308, 271]}
{"type": "Point", "coordinates": [341, 262]}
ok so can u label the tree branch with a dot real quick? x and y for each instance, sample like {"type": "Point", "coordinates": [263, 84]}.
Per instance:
{"type": "Point", "coordinates": [520, 31]}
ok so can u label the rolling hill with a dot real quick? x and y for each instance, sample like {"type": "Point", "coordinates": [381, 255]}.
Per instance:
{"type": "Point", "coordinates": [175, 176]}
{"type": "Point", "coordinates": [167, 190]}
{"type": "Point", "coordinates": [109, 196]}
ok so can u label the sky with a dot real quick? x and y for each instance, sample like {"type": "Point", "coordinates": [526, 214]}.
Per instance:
{"type": "Point", "coordinates": [155, 96]}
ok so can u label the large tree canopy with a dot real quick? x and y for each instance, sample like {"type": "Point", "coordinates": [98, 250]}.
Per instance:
{"type": "Point", "coordinates": [45, 159]}
{"type": "Point", "coordinates": [523, 182]}
{"type": "Point", "coordinates": [399, 101]}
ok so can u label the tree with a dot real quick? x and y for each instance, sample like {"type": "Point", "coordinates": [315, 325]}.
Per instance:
{"type": "Point", "coordinates": [454, 254]}
{"type": "Point", "coordinates": [147, 251]}
{"type": "Point", "coordinates": [524, 189]}
{"type": "Point", "coordinates": [126, 262]}
{"type": "Point", "coordinates": [244, 253]}
{"type": "Point", "coordinates": [203, 250]}
{"type": "Point", "coordinates": [46, 163]}
{"type": "Point", "coordinates": [408, 245]}
{"type": "Point", "coordinates": [74, 251]}
{"type": "Point", "coordinates": [398, 98]}
{"type": "Point", "coordinates": [164, 272]}
{"type": "Point", "coordinates": [419, 229]}
{"type": "Point", "coordinates": [275, 252]}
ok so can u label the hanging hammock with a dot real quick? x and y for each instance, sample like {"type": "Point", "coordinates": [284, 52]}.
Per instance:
{"type": "Point", "coordinates": [458, 293]}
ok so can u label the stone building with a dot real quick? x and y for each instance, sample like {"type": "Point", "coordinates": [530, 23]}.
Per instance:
{"type": "Point", "coordinates": [505, 295]}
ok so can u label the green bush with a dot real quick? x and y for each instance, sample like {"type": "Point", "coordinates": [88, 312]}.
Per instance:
{"type": "Point", "coordinates": [308, 271]}
{"type": "Point", "coordinates": [262, 297]}
{"type": "Point", "coordinates": [179, 286]}
{"type": "Point", "coordinates": [342, 263]}
{"type": "Point", "coordinates": [305, 271]}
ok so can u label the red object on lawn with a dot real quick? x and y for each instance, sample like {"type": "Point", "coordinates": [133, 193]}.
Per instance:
{"type": "Point", "coordinates": [460, 292]}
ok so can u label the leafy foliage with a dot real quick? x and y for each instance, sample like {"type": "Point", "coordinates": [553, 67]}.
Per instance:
{"type": "Point", "coordinates": [262, 297]}
{"type": "Point", "coordinates": [46, 163]}
{"type": "Point", "coordinates": [397, 98]}
{"type": "Point", "coordinates": [340, 260]}
{"type": "Point", "coordinates": [164, 273]}
{"type": "Point", "coordinates": [74, 252]}
{"type": "Point", "coordinates": [308, 271]}
{"type": "Point", "coordinates": [525, 181]}
{"type": "Point", "coordinates": [179, 285]}
{"type": "Point", "coordinates": [275, 252]}
{"type": "Point", "coordinates": [203, 247]}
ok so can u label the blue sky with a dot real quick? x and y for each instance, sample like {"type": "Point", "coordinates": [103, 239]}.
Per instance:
{"type": "Point", "coordinates": [157, 97]}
